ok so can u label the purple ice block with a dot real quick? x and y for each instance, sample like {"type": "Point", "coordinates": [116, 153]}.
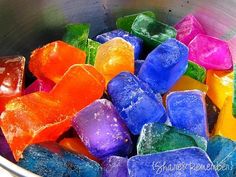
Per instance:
{"type": "Point", "coordinates": [102, 130]}
{"type": "Point", "coordinates": [39, 85]}
{"type": "Point", "coordinates": [5, 150]}
{"type": "Point", "coordinates": [115, 166]}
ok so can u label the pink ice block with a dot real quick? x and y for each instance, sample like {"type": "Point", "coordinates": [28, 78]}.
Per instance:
{"type": "Point", "coordinates": [188, 28]}
{"type": "Point", "coordinates": [39, 85]}
{"type": "Point", "coordinates": [210, 52]}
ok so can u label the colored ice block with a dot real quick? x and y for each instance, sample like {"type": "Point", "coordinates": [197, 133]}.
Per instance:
{"type": "Point", "coordinates": [137, 66]}
{"type": "Point", "coordinates": [136, 42]}
{"type": "Point", "coordinates": [101, 129]}
{"type": "Point", "coordinates": [126, 22]}
{"type": "Point", "coordinates": [33, 118]}
{"type": "Point", "coordinates": [5, 150]}
{"type": "Point", "coordinates": [11, 78]}
{"type": "Point", "coordinates": [220, 84]}
{"type": "Point", "coordinates": [50, 160]}
{"type": "Point", "coordinates": [43, 85]}
{"type": "Point", "coordinates": [187, 83]}
{"type": "Point", "coordinates": [234, 92]}
{"type": "Point", "coordinates": [222, 152]}
{"type": "Point", "coordinates": [115, 166]}
{"type": "Point", "coordinates": [185, 162]}
{"type": "Point", "coordinates": [188, 28]}
{"type": "Point", "coordinates": [164, 65]}
{"type": "Point", "coordinates": [80, 86]}
{"type": "Point", "coordinates": [187, 111]}
{"type": "Point", "coordinates": [157, 137]}
{"type": "Point", "coordinates": [151, 31]}
{"type": "Point", "coordinates": [52, 60]}
{"type": "Point", "coordinates": [196, 72]}
{"type": "Point", "coordinates": [212, 114]}
{"type": "Point", "coordinates": [77, 35]}
{"type": "Point", "coordinates": [226, 122]}
{"type": "Point", "coordinates": [135, 101]}
{"type": "Point", "coordinates": [91, 51]}
{"type": "Point", "coordinates": [210, 52]}
{"type": "Point", "coordinates": [77, 146]}
{"type": "Point", "coordinates": [113, 57]}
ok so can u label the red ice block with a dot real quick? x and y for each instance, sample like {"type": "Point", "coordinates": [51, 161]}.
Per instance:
{"type": "Point", "coordinates": [52, 60]}
{"type": "Point", "coordinates": [80, 86]}
{"type": "Point", "coordinates": [33, 118]}
{"type": "Point", "coordinates": [11, 78]}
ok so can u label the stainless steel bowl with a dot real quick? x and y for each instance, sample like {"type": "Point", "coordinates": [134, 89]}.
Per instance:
{"type": "Point", "coordinates": [27, 24]}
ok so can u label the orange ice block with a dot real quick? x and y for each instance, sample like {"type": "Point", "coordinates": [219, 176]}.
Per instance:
{"type": "Point", "coordinates": [52, 60]}
{"type": "Point", "coordinates": [220, 86]}
{"type": "Point", "coordinates": [33, 118]}
{"type": "Point", "coordinates": [226, 122]}
{"type": "Point", "coordinates": [188, 83]}
{"type": "Point", "coordinates": [113, 57]}
{"type": "Point", "coordinates": [11, 78]}
{"type": "Point", "coordinates": [80, 86]}
{"type": "Point", "coordinates": [76, 145]}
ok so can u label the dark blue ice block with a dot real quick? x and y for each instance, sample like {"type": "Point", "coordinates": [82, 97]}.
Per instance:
{"type": "Point", "coordinates": [187, 110]}
{"type": "Point", "coordinates": [50, 160]}
{"type": "Point", "coordinates": [136, 42]}
{"type": "Point", "coordinates": [188, 162]}
{"type": "Point", "coordinates": [164, 65]}
{"type": "Point", "coordinates": [137, 66]}
{"type": "Point", "coordinates": [135, 101]}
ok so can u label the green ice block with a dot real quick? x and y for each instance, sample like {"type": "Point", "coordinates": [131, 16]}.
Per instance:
{"type": "Point", "coordinates": [152, 31]}
{"type": "Point", "coordinates": [126, 22]}
{"type": "Point", "coordinates": [91, 51]}
{"type": "Point", "coordinates": [156, 137]}
{"type": "Point", "coordinates": [196, 72]}
{"type": "Point", "coordinates": [77, 35]}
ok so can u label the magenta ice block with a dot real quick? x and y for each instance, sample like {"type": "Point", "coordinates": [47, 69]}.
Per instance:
{"type": "Point", "coordinates": [102, 130]}
{"type": "Point", "coordinates": [188, 28]}
{"type": "Point", "coordinates": [39, 85]}
{"type": "Point", "coordinates": [210, 52]}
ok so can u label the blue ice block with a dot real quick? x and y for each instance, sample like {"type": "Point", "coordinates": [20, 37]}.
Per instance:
{"type": "Point", "coordinates": [136, 42]}
{"type": "Point", "coordinates": [187, 162]}
{"type": "Point", "coordinates": [50, 160]}
{"type": "Point", "coordinates": [115, 166]}
{"type": "Point", "coordinates": [222, 152]}
{"type": "Point", "coordinates": [137, 66]}
{"type": "Point", "coordinates": [135, 101]}
{"type": "Point", "coordinates": [187, 111]}
{"type": "Point", "coordinates": [164, 65]}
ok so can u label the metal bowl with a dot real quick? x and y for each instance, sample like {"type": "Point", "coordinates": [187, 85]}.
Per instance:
{"type": "Point", "coordinates": [26, 25]}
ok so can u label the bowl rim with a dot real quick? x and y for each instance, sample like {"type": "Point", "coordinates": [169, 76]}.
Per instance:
{"type": "Point", "coordinates": [14, 169]}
